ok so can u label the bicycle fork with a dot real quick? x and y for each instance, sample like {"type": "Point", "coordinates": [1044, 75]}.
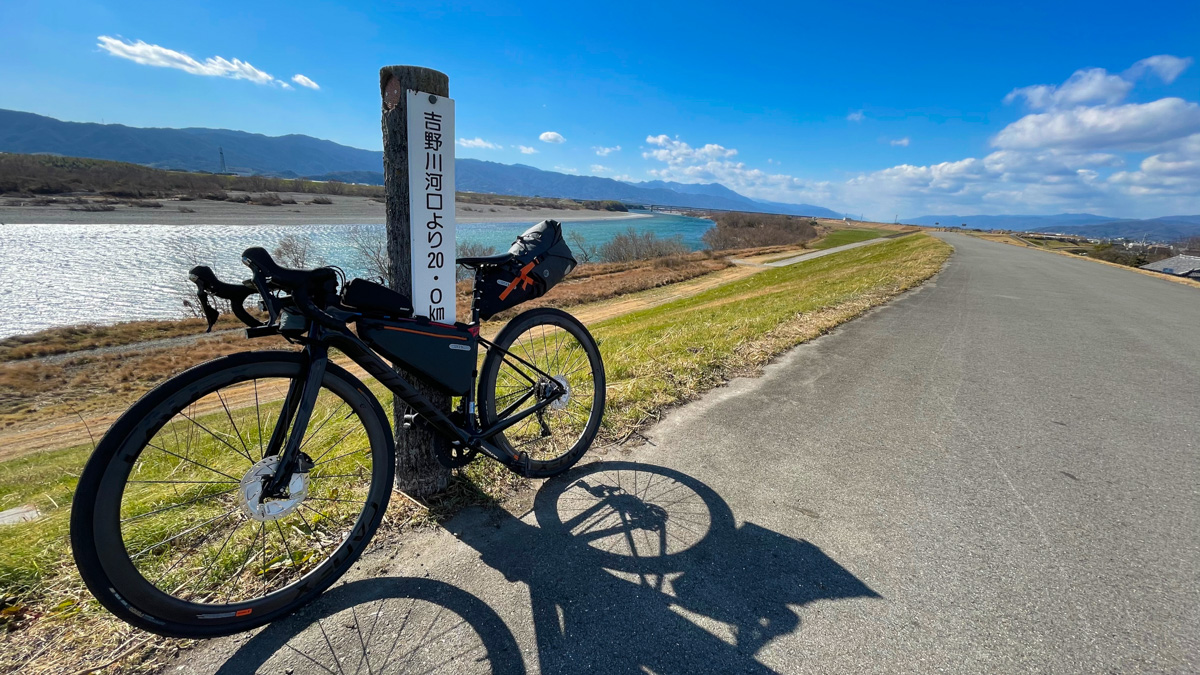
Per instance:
{"type": "Point", "coordinates": [296, 414]}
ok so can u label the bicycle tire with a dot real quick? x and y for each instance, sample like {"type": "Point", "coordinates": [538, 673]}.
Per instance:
{"type": "Point", "coordinates": [560, 325]}
{"type": "Point", "coordinates": [96, 514]}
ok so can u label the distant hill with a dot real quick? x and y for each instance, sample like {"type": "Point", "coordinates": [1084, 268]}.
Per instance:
{"type": "Point", "coordinates": [188, 149]}
{"type": "Point", "coordinates": [1011, 222]}
{"type": "Point", "coordinates": [1166, 228]}
{"type": "Point", "coordinates": [196, 149]}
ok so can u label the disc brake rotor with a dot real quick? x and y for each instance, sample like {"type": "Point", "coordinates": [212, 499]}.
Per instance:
{"type": "Point", "coordinates": [561, 402]}
{"type": "Point", "coordinates": [250, 495]}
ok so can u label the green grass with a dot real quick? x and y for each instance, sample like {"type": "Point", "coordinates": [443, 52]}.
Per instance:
{"type": "Point", "coordinates": [843, 237]}
{"type": "Point", "coordinates": [654, 358]}
{"type": "Point", "coordinates": [664, 355]}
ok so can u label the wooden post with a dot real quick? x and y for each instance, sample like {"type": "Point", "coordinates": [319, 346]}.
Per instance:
{"type": "Point", "coordinates": [418, 472]}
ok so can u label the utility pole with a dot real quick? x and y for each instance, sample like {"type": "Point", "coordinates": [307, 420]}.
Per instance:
{"type": "Point", "coordinates": [418, 472]}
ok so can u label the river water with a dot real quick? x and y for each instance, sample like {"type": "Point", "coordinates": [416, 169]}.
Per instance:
{"type": "Point", "coordinates": [61, 275]}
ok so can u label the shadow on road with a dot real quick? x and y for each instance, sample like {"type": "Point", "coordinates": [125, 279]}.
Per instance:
{"type": "Point", "coordinates": [384, 625]}
{"type": "Point", "coordinates": [632, 568]}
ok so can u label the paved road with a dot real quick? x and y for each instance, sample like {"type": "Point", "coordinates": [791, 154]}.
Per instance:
{"type": "Point", "coordinates": [996, 473]}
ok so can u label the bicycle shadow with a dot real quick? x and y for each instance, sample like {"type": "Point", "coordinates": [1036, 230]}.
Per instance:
{"type": "Point", "coordinates": [639, 568]}
{"type": "Point", "coordinates": [631, 568]}
{"type": "Point", "coordinates": [384, 625]}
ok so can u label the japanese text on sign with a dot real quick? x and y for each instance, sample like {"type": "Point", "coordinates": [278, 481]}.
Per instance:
{"type": "Point", "coordinates": [431, 207]}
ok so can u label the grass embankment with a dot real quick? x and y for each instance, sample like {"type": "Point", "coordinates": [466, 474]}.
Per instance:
{"type": "Point", "coordinates": [843, 237]}
{"type": "Point", "coordinates": [39, 393]}
{"type": "Point", "coordinates": [669, 354]}
{"type": "Point", "coordinates": [654, 359]}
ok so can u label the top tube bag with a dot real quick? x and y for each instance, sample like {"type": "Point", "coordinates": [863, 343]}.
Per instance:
{"type": "Point", "coordinates": [541, 258]}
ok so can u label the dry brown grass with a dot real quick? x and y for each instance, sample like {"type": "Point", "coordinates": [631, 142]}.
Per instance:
{"type": "Point", "coordinates": [35, 394]}
{"type": "Point", "coordinates": [594, 282]}
{"type": "Point", "coordinates": [80, 338]}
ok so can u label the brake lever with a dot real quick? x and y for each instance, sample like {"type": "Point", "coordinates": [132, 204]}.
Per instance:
{"type": "Point", "coordinates": [210, 313]}
{"type": "Point", "coordinates": [208, 284]}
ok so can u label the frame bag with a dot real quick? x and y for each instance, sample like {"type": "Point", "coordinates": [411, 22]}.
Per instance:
{"type": "Point", "coordinates": [541, 258]}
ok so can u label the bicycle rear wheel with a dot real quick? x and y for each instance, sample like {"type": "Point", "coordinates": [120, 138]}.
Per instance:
{"type": "Point", "coordinates": [167, 526]}
{"type": "Point", "coordinates": [536, 347]}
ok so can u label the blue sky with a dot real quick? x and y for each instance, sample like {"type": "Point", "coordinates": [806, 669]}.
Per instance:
{"type": "Point", "coordinates": [880, 108]}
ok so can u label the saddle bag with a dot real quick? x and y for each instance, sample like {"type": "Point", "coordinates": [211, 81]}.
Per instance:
{"type": "Point", "coordinates": [541, 258]}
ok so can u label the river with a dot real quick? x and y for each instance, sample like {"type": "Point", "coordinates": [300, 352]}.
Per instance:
{"type": "Point", "coordinates": [62, 275]}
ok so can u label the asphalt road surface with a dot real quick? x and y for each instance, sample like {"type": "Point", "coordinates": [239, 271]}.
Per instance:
{"type": "Point", "coordinates": [995, 473]}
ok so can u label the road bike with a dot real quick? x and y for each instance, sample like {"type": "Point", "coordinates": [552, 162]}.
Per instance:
{"type": "Point", "coordinates": [239, 490]}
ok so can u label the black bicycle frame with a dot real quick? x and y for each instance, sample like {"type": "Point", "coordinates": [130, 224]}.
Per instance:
{"type": "Point", "coordinates": [302, 395]}
{"type": "Point", "coordinates": [325, 327]}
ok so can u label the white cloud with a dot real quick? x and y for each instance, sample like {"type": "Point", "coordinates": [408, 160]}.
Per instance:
{"type": "Point", "coordinates": [479, 143]}
{"type": "Point", "coordinates": [551, 137]}
{"type": "Point", "coordinates": [1083, 148]}
{"type": "Point", "coordinates": [566, 169]}
{"type": "Point", "coordinates": [676, 153]}
{"type": "Point", "coordinates": [1097, 85]}
{"type": "Point", "coordinates": [605, 152]}
{"type": "Point", "coordinates": [1175, 172]}
{"type": "Point", "coordinates": [713, 163]}
{"type": "Point", "coordinates": [600, 168]}
{"type": "Point", "coordinates": [1132, 126]}
{"type": "Point", "coordinates": [1092, 85]}
{"type": "Point", "coordinates": [304, 81]}
{"type": "Point", "coordinates": [526, 150]}
{"type": "Point", "coordinates": [214, 66]}
{"type": "Point", "coordinates": [624, 177]}
{"type": "Point", "coordinates": [856, 116]}
{"type": "Point", "coordinates": [901, 142]}
{"type": "Point", "coordinates": [1165, 66]}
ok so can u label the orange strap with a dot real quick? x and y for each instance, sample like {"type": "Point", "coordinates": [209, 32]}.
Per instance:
{"type": "Point", "coordinates": [523, 279]}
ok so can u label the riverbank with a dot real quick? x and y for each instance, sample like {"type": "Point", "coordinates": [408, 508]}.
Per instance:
{"type": "Point", "coordinates": [654, 360]}
{"type": "Point", "coordinates": [342, 210]}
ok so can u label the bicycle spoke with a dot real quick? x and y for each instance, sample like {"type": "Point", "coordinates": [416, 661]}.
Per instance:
{"type": "Point", "coordinates": [210, 433]}
{"type": "Point", "coordinates": [233, 424]}
{"type": "Point", "coordinates": [176, 506]}
{"type": "Point", "coordinates": [175, 564]}
{"type": "Point", "coordinates": [180, 515]}
{"type": "Point", "coordinates": [168, 540]}
{"type": "Point", "coordinates": [320, 426]}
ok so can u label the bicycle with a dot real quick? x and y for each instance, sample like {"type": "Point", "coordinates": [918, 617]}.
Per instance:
{"type": "Point", "coordinates": [239, 490]}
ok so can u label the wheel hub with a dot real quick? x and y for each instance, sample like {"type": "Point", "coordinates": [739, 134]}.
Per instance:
{"type": "Point", "coordinates": [250, 495]}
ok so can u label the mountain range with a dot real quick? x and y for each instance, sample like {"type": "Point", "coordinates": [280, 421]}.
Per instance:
{"type": "Point", "coordinates": [296, 155]}
{"type": "Point", "coordinates": [293, 156]}
{"type": "Point", "coordinates": [1164, 229]}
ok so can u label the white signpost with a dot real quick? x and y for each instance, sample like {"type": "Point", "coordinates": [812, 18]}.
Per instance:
{"type": "Point", "coordinates": [431, 204]}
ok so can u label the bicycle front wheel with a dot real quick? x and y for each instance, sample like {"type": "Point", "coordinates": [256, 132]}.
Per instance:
{"type": "Point", "coordinates": [535, 348]}
{"type": "Point", "coordinates": [168, 527]}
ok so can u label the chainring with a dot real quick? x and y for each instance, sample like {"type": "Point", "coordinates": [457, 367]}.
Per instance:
{"type": "Point", "coordinates": [453, 457]}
